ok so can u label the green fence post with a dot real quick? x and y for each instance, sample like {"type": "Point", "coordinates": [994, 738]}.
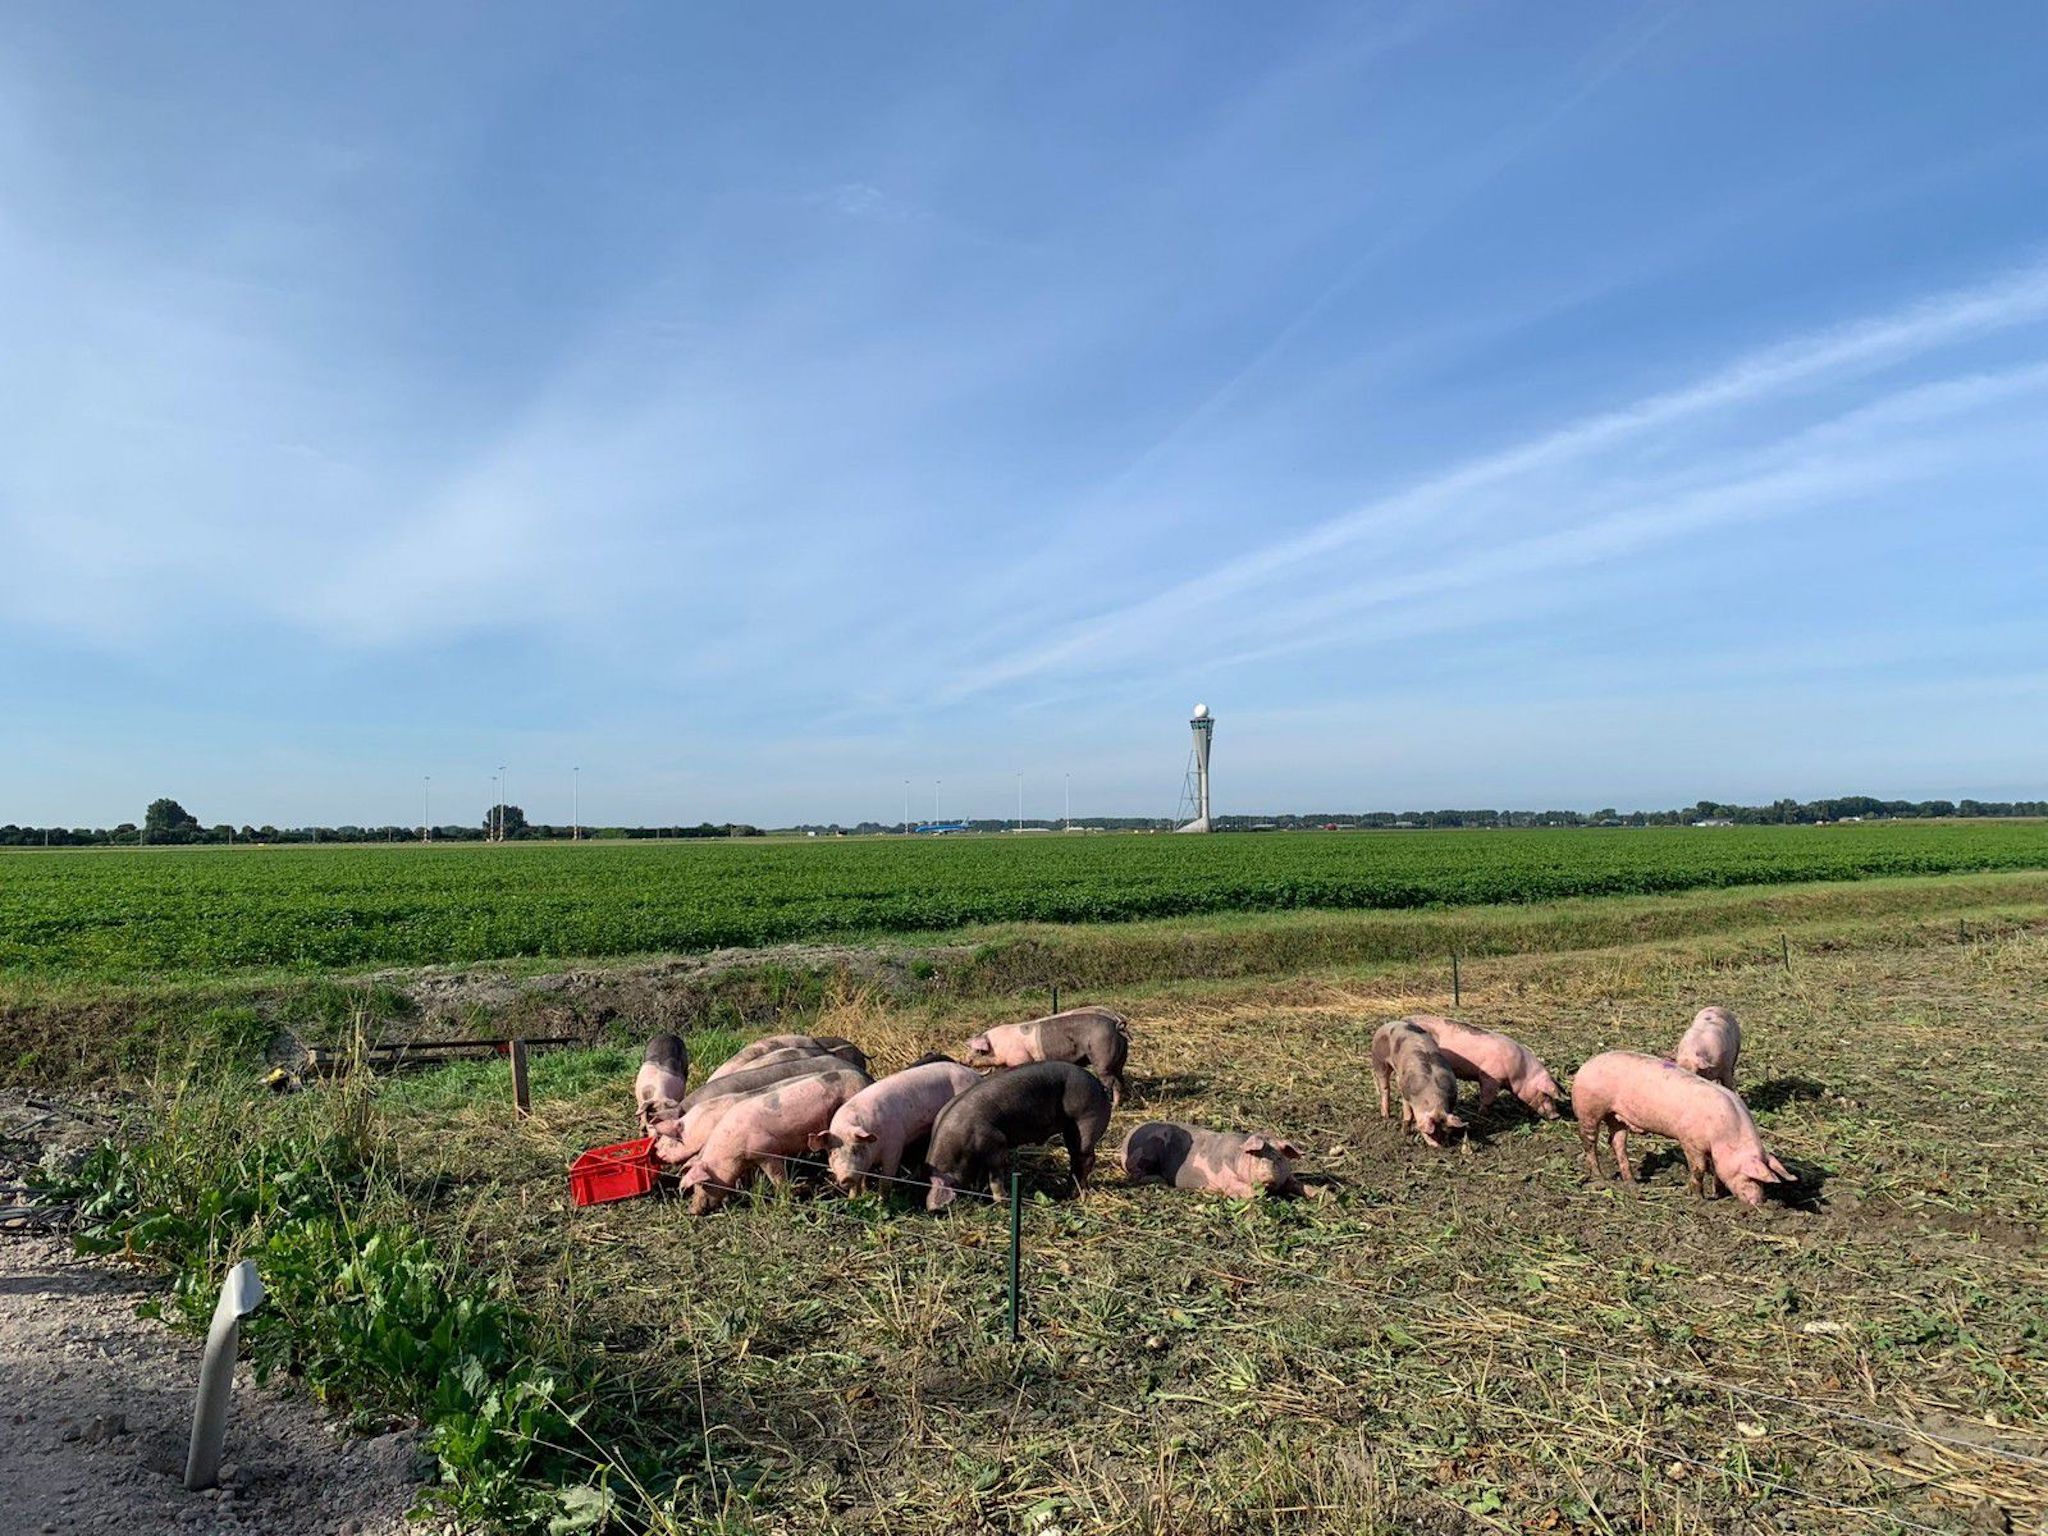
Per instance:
{"type": "Point", "coordinates": [1016, 1242]}
{"type": "Point", "coordinates": [1457, 986]}
{"type": "Point", "coordinates": [1785, 951]}
{"type": "Point", "coordinates": [1055, 997]}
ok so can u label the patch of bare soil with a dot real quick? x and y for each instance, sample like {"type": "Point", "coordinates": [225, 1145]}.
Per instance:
{"type": "Point", "coordinates": [96, 1403]}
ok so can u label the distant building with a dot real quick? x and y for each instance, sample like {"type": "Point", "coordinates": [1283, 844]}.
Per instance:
{"type": "Point", "coordinates": [1714, 821]}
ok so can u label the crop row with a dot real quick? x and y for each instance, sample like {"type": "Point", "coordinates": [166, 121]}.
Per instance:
{"type": "Point", "coordinates": [136, 914]}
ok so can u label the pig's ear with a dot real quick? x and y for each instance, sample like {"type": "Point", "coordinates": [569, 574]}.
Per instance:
{"type": "Point", "coordinates": [1287, 1149]}
{"type": "Point", "coordinates": [862, 1133]}
{"type": "Point", "coordinates": [1779, 1169]}
{"type": "Point", "coordinates": [979, 1044]}
{"type": "Point", "coordinates": [1255, 1143]}
{"type": "Point", "coordinates": [1454, 1122]}
{"type": "Point", "coordinates": [820, 1140]}
{"type": "Point", "coordinates": [941, 1196]}
{"type": "Point", "coordinates": [697, 1175]}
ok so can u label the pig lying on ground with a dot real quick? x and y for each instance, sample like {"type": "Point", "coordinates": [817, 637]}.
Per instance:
{"type": "Point", "coordinates": [1710, 1047]}
{"type": "Point", "coordinates": [1624, 1091]}
{"type": "Point", "coordinates": [870, 1130]}
{"type": "Point", "coordinates": [975, 1134]}
{"type": "Point", "coordinates": [1429, 1093]}
{"type": "Point", "coordinates": [754, 1051]}
{"type": "Point", "coordinates": [773, 1067]}
{"type": "Point", "coordinates": [1094, 1038]}
{"type": "Point", "coordinates": [1220, 1162]}
{"type": "Point", "coordinates": [1490, 1059]}
{"type": "Point", "coordinates": [663, 1079]}
{"type": "Point", "coordinates": [763, 1129]}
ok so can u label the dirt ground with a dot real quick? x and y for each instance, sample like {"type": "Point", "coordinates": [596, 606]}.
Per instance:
{"type": "Point", "coordinates": [96, 1403]}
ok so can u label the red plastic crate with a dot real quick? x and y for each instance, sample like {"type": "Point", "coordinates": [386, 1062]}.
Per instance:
{"type": "Point", "coordinates": [617, 1172]}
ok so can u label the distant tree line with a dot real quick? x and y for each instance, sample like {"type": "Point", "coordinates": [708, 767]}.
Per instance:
{"type": "Point", "coordinates": [1778, 813]}
{"type": "Point", "coordinates": [168, 822]}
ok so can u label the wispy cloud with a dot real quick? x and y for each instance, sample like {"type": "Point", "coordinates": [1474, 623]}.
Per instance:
{"type": "Point", "coordinates": [1772, 376]}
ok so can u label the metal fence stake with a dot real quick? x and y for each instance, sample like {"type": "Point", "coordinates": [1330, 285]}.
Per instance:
{"type": "Point", "coordinates": [1457, 986]}
{"type": "Point", "coordinates": [1016, 1242]}
{"type": "Point", "coordinates": [1055, 997]}
{"type": "Point", "coordinates": [1785, 951]}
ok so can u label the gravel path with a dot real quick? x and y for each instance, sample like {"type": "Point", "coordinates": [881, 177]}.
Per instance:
{"type": "Point", "coordinates": [96, 1403]}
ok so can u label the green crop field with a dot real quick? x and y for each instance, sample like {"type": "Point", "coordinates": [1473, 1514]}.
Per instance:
{"type": "Point", "coordinates": [131, 915]}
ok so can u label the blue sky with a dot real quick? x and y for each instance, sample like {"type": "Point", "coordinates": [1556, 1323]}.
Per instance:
{"type": "Point", "coordinates": [758, 406]}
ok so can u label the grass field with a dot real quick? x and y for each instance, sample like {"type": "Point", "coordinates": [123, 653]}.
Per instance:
{"type": "Point", "coordinates": [1446, 1343]}
{"type": "Point", "coordinates": [141, 914]}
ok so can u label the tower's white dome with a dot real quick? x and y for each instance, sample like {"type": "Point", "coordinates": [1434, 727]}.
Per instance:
{"type": "Point", "coordinates": [1201, 711]}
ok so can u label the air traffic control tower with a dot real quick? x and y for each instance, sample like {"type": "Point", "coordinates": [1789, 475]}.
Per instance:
{"type": "Point", "coordinates": [1203, 724]}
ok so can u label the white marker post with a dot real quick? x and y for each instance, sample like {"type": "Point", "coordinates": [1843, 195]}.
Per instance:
{"type": "Point", "coordinates": [241, 1294]}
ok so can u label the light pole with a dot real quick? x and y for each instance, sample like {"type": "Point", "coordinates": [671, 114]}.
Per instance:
{"type": "Point", "coordinates": [575, 805]}
{"type": "Point", "coordinates": [491, 821]}
{"type": "Point", "coordinates": [504, 790]}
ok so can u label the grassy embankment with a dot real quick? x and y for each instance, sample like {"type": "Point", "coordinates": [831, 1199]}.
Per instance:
{"type": "Point", "coordinates": [86, 1024]}
{"type": "Point", "coordinates": [1479, 1340]}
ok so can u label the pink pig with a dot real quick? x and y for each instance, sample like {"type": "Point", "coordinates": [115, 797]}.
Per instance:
{"type": "Point", "coordinates": [1624, 1091]}
{"type": "Point", "coordinates": [1219, 1162]}
{"type": "Point", "coordinates": [1492, 1060]}
{"type": "Point", "coordinates": [762, 1130]}
{"type": "Point", "coordinates": [868, 1134]}
{"type": "Point", "coordinates": [1429, 1089]}
{"type": "Point", "coordinates": [1710, 1047]}
{"type": "Point", "coordinates": [663, 1079]}
{"type": "Point", "coordinates": [678, 1140]}
{"type": "Point", "coordinates": [1092, 1037]}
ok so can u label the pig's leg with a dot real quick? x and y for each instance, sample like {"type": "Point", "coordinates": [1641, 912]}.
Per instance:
{"type": "Point", "coordinates": [1116, 1089]}
{"type": "Point", "coordinates": [999, 1175]}
{"type": "Point", "coordinates": [1080, 1160]}
{"type": "Point", "coordinates": [1619, 1142]}
{"type": "Point", "coordinates": [1707, 1188]}
{"type": "Point", "coordinates": [891, 1161]}
{"type": "Point", "coordinates": [1589, 1142]}
{"type": "Point", "coordinates": [1489, 1087]}
{"type": "Point", "coordinates": [776, 1170]}
{"type": "Point", "coordinates": [1697, 1173]}
{"type": "Point", "coordinates": [1384, 1075]}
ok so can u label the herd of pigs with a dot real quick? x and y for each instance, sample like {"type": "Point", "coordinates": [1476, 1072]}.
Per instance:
{"type": "Point", "coordinates": [944, 1126]}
